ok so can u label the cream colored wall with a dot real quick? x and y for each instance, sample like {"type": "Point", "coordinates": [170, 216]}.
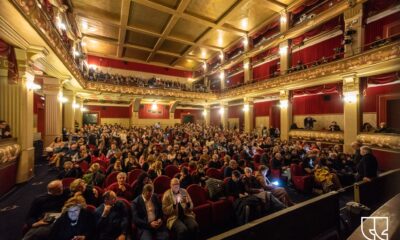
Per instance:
{"type": "Point", "coordinates": [262, 121]}
{"type": "Point", "coordinates": [232, 122]}
{"type": "Point", "coordinates": [370, 117]}
{"type": "Point", "coordinates": [323, 120]}
{"type": "Point", "coordinates": [148, 122]}
{"type": "Point", "coordinates": [121, 121]}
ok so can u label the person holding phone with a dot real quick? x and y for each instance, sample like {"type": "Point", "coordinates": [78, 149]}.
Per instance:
{"type": "Point", "coordinates": [178, 207]}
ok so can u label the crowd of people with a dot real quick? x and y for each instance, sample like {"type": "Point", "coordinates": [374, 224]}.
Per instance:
{"type": "Point", "coordinates": [91, 208]}
{"type": "Point", "coordinates": [118, 79]}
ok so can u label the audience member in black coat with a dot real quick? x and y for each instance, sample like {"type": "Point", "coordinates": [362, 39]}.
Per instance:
{"type": "Point", "coordinates": [185, 178]}
{"type": "Point", "coordinates": [75, 221]}
{"type": "Point", "coordinates": [142, 180]}
{"type": "Point", "coordinates": [70, 171]}
{"type": "Point", "coordinates": [111, 218]}
{"type": "Point", "coordinates": [368, 166]}
{"type": "Point", "coordinates": [147, 215]}
{"type": "Point", "coordinates": [51, 202]}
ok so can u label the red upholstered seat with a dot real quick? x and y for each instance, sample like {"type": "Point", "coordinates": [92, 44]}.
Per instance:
{"type": "Point", "coordinates": [214, 173]}
{"type": "Point", "coordinates": [134, 174]}
{"type": "Point", "coordinates": [201, 207]}
{"type": "Point", "coordinates": [91, 208]}
{"type": "Point", "coordinates": [111, 178]}
{"type": "Point", "coordinates": [171, 171]}
{"type": "Point", "coordinates": [301, 181]}
{"type": "Point", "coordinates": [161, 184]}
{"type": "Point", "coordinates": [84, 166]}
{"type": "Point", "coordinates": [67, 181]}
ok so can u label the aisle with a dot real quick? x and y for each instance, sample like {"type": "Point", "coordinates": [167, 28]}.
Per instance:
{"type": "Point", "coordinates": [14, 207]}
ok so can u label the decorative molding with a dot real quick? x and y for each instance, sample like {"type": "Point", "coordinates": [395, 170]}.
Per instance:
{"type": "Point", "coordinates": [323, 136]}
{"type": "Point", "coordinates": [389, 141]}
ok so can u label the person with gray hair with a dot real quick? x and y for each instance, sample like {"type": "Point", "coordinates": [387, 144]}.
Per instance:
{"type": "Point", "coordinates": [368, 166]}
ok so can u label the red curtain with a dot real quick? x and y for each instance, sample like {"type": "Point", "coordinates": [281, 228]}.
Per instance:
{"type": "Point", "coordinates": [8, 51]}
{"type": "Point", "coordinates": [316, 52]}
{"type": "Point", "coordinates": [318, 104]}
{"type": "Point", "coordinates": [110, 111]}
{"type": "Point", "coordinates": [376, 28]}
{"type": "Point", "coordinates": [384, 78]}
{"type": "Point", "coordinates": [235, 79]}
{"type": "Point", "coordinates": [266, 53]}
{"type": "Point", "coordinates": [326, 89]}
{"type": "Point", "coordinates": [263, 108]}
{"type": "Point", "coordinates": [215, 117]}
{"type": "Point", "coordinates": [331, 24]}
{"type": "Point", "coordinates": [265, 70]}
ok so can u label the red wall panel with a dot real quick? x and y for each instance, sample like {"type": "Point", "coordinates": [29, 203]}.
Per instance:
{"type": "Point", "coordinates": [197, 113]}
{"type": "Point", "coordinates": [316, 52]}
{"type": "Point", "coordinates": [265, 70]}
{"type": "Point", "coordinates": [371, 98]}
{"type": "Point", "coordinates": [145, 112]}
{"type": "Point", "coordinates": [235, 111]}
{"type": "Point", "coordinates": [376, 28]}
{"type": "Point", "coordinates": [235, 79]}
{"type": "Point", "coordinates": [263, 108]}
{"type": "Point", "coordinates": [387, 160]}
{"type": "Point", "coordinates": [215, 117]}
{"type": "Point", "coordinates": [316, 104]}
{"type": "Point", "coordinates": [110, 111]}
{"type": "Point", "coordinates": [107, 62]}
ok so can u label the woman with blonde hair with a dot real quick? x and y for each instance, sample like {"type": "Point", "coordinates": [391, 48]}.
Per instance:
{"type": "Point", "coordinates": [75, 222]}
{"type": "Point", "coordinates": [94, 176]}
{"type": "Point", "coordinates": [155, 170]}
{"type": "Point", "coordinates": [79, 186]}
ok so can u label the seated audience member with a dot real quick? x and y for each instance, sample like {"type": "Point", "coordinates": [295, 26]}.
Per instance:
{"type": "Point", "coordinates": [357, 154]}
{"type": "Point", "coordinates": [122, 188]}
{"type": "Point", "coordinates": [130, 163]}
{"type": "Point", "coordinates": [294, 126]}
{"type": "Point", "coordinates": [214, 162]}
{"type": "Point", "coordinates": [334, 127]}
{"type": "Point", "coordinates": [116, 167]}
{"type": "Point", "coordinates": [383, 128]}
{"type": "Point", "coordinates": [244, 204]}
{"type": "Point", "coordinates": [75, 221]}
{"type": "Point", "coordinates": [147, 215]}
{"type": "Point", "coordinates": [278, 164]}
{"type": "Point", "coordinates": [51, 202]}
{"type": "Point", "coordinates": [94, 176]}
{"type": "Point", "coordinates": [142, 180]}
{"type": "Point", "coordinates": [156, 169]}
{"type": "Point", "coordinates": [323, 176]}
{"type": "Point", "coordinates": [111, 218]}
{"type": "Point", "coordinates": [253, 187]}
{"type": "Point", "coordinates": [178, 208]}
{"type": "Point", "coordinates": [367, 169]}
{"type": "Point", "coordinates": [185, 178]}
{"type": "Point", "coordinates": [367, 127]}
{"type": "Point", "coordinates": [233, 165]}
{"type": "Point", "coordinates": [5, 130]}
{"type": "Point", "coordinates": [88, 192]}
{"type": "Point", "coordinates": [278, 192]}
{"type": "Point", "coordinates": [70, 171]}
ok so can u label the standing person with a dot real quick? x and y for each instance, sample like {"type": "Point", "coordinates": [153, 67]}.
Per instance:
{"type": "Point", "coordinates": [368, 166]}
{"type": "Point", "coordinates": [147, 215]}
{"type": "Point", "coordinates": [178, 207]}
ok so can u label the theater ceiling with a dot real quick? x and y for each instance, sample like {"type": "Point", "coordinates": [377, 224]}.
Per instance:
{"type": "Point", "coordinates": [175, 33]}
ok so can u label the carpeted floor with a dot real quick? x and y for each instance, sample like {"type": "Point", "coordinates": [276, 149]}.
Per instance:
{"type": "Point", "coordinates": [15, 205]}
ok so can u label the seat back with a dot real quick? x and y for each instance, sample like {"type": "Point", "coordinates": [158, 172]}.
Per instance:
{"type": "Point", "coordinates": [67, 181]}
{"type": "Point", "coordinates": [295, 170]}
{"type": "Point", "coordinates": [111, 178]}
{"type": "Point", "coordinates": [91, 208]}
{"type": "Point", "coordinates": [198, 194]}
{"type": "Point", "coordinates": [214, 173]}
{"type": "Point", "coordinates": [134, 174]}
{"type": "Point", "coordinates": [171, 170]}
{"type": "Point", "coordinates": [84, 166]}
{"type": "Point", "coordinates": [161, 184]}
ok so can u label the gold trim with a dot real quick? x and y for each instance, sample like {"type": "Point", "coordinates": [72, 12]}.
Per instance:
{"type": "Point", "coordinates": [388, 141]}
{"type": "Point", "coordinates": [322, 136]}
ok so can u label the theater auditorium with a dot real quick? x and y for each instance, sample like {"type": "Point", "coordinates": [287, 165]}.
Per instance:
{"type": "Point", "coordinates": [199, 119]}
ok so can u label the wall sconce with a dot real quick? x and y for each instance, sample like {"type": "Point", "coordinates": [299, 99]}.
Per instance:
{"type": "Point", "coordinates": [246, 107]}
{"type": "Point", "coordinates": [246, 65]}
{"type": "Point", "coordinates": [350, 97]}
{"type": "Point", "coordinates": [245, 41]}
{"type": "Point", "coordinates": [283, 103]}
{"type": "Point", "coordinates": [283, 17]}
{"type": "Point", "coordinates": [221, 56]}
{"type": "Point", "coordinates": [283, 50]}
{"type": "Point", "coordinates": [204, 113]}
{"type": "Point", "coordinates": [75, 105]}
{"type": "Point", "coordinates": [221, 111]}
{"type": "Point", "coordinates": [222, 75]}
{"type": "Point", "coordinates": [205, 66]}
{"type": "Point", "coordinates": [30, 84]}
{"type": "Point", "coordinates": [83, 109]}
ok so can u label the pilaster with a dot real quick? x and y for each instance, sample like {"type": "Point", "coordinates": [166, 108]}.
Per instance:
{"type": "Point", "coordinates": [206, 115]}
{"type": "Point", "coordinates": [248, 70]}
{"type": "Point", "coordinates": [351, 112]}
{"type": "Point", "coordinates": [285, 54]}
{"type": "Point", "coordinates": [286, 113]}
{"type": "Point", "coordinates": [70, 110]}
{"type": "Point", "coordinates": [52, 88]}
{"type": "Point", "coordinates": [248, 110]}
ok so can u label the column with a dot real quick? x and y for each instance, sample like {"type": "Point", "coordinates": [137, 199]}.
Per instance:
{"type": "Point", "coordinates": [351, 121]}
{"type": "Point", "coordinates": [286, 113]}
{"type": "Point", "coordinates": [248, 70]}
{"type": "Point", "coordinates": [285, 53]}
{"type": "Point", "coordinates": [16, 107]}
{"type": "Point", "coordinates": [248, 110]}
{"type": "Point", "coordinates": [52, 89]}
{"type": "Point", "coordinates": [222, 79]}
{"type": "Point", "coordinates": [354, 30]}
{"type": "Point", "coordinates": [223, 111]}
{"type": "Point", "coordinates": [206, 115]}
{"type": "Point", "coordinates": [78, 111]}
{"type": "Point", "coordinates": [69, 111]}
{"type": "Point", "coordinates": [284, 21]}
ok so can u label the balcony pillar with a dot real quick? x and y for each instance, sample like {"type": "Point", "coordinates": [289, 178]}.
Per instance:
{"type": "Point", "coordinates": [52, 88]}
{"type": "Point", "coordinates": [286, 113]}
{"type": "Point", "coordinates": [351, 114]}
{"type": "Point", "coordinates": [248, 110]}
{"type": "Point", "coordinates": [206, 115]}
{"type": "Point", "coordinates": [247, 70]}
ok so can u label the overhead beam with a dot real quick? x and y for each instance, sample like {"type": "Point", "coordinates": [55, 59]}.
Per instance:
{"type": "Point", "coordinates": [125, 8]}
{"type": "Point", "coordinates": [170, 25]}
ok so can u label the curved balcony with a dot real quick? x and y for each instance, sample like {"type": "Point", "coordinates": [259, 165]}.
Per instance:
{"type": "Point", "coordinates": [315, 135]}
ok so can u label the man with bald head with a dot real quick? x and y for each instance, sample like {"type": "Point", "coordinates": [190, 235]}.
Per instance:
{"type": "Point", "coordinates": [178, 207]}
{"type": "Point", "coordinates": [51, 202]}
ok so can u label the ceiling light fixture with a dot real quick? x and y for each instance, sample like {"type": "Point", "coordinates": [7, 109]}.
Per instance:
{"type": "Point", "coordinates": [244, 22]}
{"type": "Point", "coordinates": [245, 41]}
